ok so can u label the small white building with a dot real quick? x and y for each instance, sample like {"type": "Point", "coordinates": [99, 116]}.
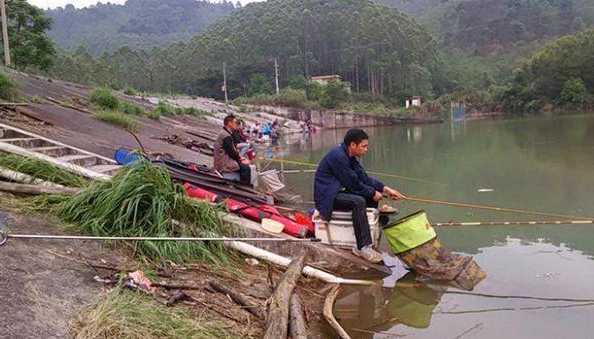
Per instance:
{"type": "Point", "coordinates": [414, 101]}
{"type": "Point", "coordinates": [325, 79]}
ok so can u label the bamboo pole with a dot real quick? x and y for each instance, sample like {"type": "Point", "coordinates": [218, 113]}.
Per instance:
{"type": "Point", "coordinates": [36, 189]}
{"type": "Point", "coordinates": [24, 178]}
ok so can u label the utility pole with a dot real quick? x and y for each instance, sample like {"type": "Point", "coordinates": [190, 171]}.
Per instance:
{"type": "Point", "coordinates": [5, 34]}
{"type": "Point", "coordinates": [225, 82]}
{"type": "Point", "coordinates": [276, 75]}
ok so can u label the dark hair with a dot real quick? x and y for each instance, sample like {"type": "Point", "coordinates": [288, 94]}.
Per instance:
{"type": "Point", "coordinates": [355, 135]}
{"type": "Point", "coordinates": [228, 119]}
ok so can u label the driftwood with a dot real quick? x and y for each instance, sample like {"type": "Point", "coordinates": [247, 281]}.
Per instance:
{"type": "Point", "coordinates": [297, 324]}
{"type": "Point", "coordinates": [278, 312]}
{"type": "Point", "coordinates": [329, 315]}
{"type": "Point", "coordinates": [238, 298]}
{"type": "Point", "coordinates": [36, 189]}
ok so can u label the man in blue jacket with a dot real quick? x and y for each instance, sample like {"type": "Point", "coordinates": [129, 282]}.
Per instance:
{"type": "Point", "coordinates": [341, 183]}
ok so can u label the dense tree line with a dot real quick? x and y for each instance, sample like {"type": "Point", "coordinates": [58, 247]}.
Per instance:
{"type": "Point", "coordinates": [138, 24]}
{"type": "Point", "coordinates": [560, 73]}
{"type": "Point", "coordinates": [496, 26]}
{"type": "Point", "coordinates": [377, 49]}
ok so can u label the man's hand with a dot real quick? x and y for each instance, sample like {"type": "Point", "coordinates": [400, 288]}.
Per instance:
{"type": "Point", "coordinates": [394, 194]}
{"type": "Point", "coordinates": [245, 161]}
{"type": "Point", "coordinates": [377, 196]}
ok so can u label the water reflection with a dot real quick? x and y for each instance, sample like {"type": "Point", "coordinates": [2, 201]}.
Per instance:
{"type": "Point", "coordinates": [533, 164]}
{"type": "Point", "coordinates": [366, 312]}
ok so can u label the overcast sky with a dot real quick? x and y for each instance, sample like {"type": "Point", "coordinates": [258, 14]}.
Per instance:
{"type": "Point", "coordinates": [83, 3]}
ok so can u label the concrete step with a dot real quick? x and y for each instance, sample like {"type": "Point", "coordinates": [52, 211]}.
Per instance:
{"type": "Point", "coordinates": [27, 142]}
{"type": "Point", "coordinates": [83, 160]}
{"type": "Point", "coordinates": [53, 151]}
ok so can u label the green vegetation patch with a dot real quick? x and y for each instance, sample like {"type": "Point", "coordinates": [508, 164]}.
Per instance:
{"type": "Point", "coordinates": [141, 201]}
{"type": "Point", "coordinates": [104, 98]}
{"type": "Point", "coordinates": [42, 170]}
{"type": "Point", "coordinates": [125, 314]}
{"type": "Point", "coordinates": [118, 119]}
{"type": "Point", "coordinates": [130, 108]}
{"type": "Point", "coordinates": [7, 88]}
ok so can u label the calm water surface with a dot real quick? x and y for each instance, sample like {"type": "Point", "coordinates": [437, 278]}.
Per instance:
{"type": "Point", "coordinates": [539, 164]}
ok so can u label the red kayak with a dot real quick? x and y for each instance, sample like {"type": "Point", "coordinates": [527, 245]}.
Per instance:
{"type": "Point", "coordinates": [256, 213]}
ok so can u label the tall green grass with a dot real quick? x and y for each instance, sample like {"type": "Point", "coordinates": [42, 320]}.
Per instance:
{"type": "Point", "coordinates": [118, 119]}
{"type": "Point", "coordinates": [142, 201]}
{"type": "Point", "coordinates": [125, 314]}
{"type": "Point", "coordinates": [41, 170]}
{"type": "Point", "coordinates": [8, 89]}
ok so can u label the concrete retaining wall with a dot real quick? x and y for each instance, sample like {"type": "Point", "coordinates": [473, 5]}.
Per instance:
{"type": "Point", "coordinates": [330, 118]}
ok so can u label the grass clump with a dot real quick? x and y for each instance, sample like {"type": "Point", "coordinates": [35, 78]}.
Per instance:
{"type": "Point", "coordinates": [142, 200]}
{"type": "Point", "coordinates": [42, 170]}
{"type": "Point", "coordinates": [125, 314]}
{"type": "Point", "coordinates": [165, 109]}
{"type": "Point", "coordinates": [118, 119]}
{"type": "Point", "coordinates": [104, 98]}
{"type": "Point", "coordinates": [130, 91]}
{"type": "Point", "coordinates": [130, 108]}
{"type": "Point", "coordinates": [8, 89]}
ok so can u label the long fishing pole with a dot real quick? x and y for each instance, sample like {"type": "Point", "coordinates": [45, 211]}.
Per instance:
{"type": "Point", "coordinates": [497, 223]}
{"type": "Point", "coordinates": [4, 236]}
{"type": "Point", "coordinates": [383, 174]}
{"type": "Point", "coordinates": [492, 208]}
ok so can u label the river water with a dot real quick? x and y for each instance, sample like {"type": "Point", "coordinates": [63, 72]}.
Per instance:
{"type": "Point", "coordinates": [538, 164]}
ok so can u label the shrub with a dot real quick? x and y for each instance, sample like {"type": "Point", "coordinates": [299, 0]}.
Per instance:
{"type": "Point", "coordinates": [297, 82]}
{"type": "Point", "coordinates": [164, 109]}
{"type": "Point", "coordinates": [104, 98]}
{"type": "Point", "coordinates": [259, 84]}
{"type": "Point", "coordinates": [130, 91]}
{"type": "Point", "coordinates": [574, 92]}
{"type": "Point", "coordinates": [7, 88]}
{"type": "Point", "coordinates": [130, 108]}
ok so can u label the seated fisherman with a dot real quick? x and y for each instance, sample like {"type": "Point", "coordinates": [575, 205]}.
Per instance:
{"type": "Point", "coordinates": [341, 183]}
{"type": "Point", "coordinates": [227, 159]}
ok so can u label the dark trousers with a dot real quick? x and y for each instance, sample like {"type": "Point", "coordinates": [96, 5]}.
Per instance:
{"type": "Point", "coordinates": [244, 174]}
{"type": "Point", "coordinates": [357, 204]}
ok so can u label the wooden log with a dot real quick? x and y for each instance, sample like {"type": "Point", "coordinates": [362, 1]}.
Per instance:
{"type": "Point", "coordinates": [278, 313]}
{"type": "Point", "coordinates": [329, 315]}
{"type": "Point", "coordinates": [36, 189]}
{"type": "Point", "coordinates": [24, 178]}
{"type": "Point", "coordinates": [238, 298]}
{"type": "Point", "coordinates": [297, 324]}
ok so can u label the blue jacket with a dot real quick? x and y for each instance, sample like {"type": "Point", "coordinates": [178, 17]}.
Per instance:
{"type": "Point", "coordinates": [338, 171]}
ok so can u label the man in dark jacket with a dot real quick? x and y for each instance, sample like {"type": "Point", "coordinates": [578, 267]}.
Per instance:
{"type": "Point", "coordinates": [341, 183]}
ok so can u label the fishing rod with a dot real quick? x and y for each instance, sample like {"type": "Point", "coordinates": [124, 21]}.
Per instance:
{"type": "Point", "coordinates": [4, 236]}
{"type": "Point", "coordinates": [383, 174]}
{"type": "Point", "coordinates": [496, 223]}
{"type": "Point", "coordinates": [491, 208]}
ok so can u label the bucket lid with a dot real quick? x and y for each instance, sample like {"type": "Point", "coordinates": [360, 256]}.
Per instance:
{"type": "Point", "coordinates": [272, 226]}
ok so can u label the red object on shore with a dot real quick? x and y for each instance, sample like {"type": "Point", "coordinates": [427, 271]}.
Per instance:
{"type": "Point", "coordinates": [254, 213]}
{"type": "Point", "coordinates": [199, 193]}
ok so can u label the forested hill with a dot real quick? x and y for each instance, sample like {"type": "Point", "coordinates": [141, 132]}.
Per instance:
{"type": "Point", "coordinates": [374, 47]}
{"type": "Point", "coordinates": [495, 26]}
{"type": "Point", "coordinates": [138, 24]}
